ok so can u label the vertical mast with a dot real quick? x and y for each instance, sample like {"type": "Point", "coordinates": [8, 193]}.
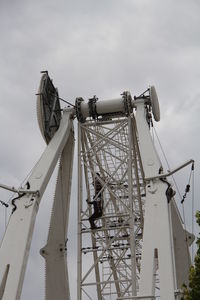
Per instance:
{"type": "Point", "coordinates": [111, 252]}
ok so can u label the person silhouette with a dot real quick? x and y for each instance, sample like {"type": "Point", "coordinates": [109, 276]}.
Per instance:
{"type": "Point", "coordinates": [97, 201]}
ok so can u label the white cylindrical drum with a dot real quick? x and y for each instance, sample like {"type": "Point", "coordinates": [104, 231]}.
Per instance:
{"type": "Point", "coordinates": [110, 106]}
{"type": "Point", "coordinates": [84, 109]}
{"type": "Point", "coordinates": [104, 107]}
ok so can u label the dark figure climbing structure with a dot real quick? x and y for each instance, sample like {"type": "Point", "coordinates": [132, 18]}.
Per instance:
{"type": "Point", "coordinates": [97, 201]}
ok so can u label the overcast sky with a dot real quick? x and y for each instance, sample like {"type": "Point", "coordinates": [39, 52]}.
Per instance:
{"type": "Point", "coordinates": [98, 48]}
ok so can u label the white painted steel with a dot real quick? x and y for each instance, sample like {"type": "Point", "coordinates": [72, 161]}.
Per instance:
{"type": "Point", "coordinates": [110, 265]}
{"type": "Point", "coordinates": [182, 241]}
{"type": "Point", "coordinates": [15, 190]}
{"type": "Point", "coordinates": [79, 239]}
{"type": "Point", "coordinates": [55, 251]}
{"type": "Point", "coordinates": [164, 175]}
{"type": "Point", "coordinates": [110, 146]}
{"type": "Point", "coordinates": [150, 159]}
{"type": "Point", "coordinates": [9, 188]}
{"type": "Point", "coordinates": [132, 217]}
{"type": "Point", "coordinates": [119, 105]}
{"type": "Point", "coordinates": [140, 233]}
{"type": "Point", "coordinates": [15, 245]}
{"type": "Point", "coordinates": [157, 235]}
{"type": "Point", "coordinates": [104, 107]}
{"type": "Point", "coordinates": [157, 223]}
{"type": "Point", "coordinates": [110, 106]}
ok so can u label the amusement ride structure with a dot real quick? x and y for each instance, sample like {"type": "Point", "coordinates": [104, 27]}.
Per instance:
{"type": "Point", "coordinates": [131, 240]}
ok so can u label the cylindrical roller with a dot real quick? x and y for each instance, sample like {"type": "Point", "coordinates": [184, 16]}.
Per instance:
{"type": "Point", "coordinates": [100, 108]}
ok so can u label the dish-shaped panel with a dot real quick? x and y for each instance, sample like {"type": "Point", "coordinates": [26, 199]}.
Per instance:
{"type": "Point", "coordinates": [154, 103]}
{"type": "Point", "coordinates": [48, 108]}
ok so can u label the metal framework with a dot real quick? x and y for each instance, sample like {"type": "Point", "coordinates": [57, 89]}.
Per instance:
{"type": "Point", "coordinates": [109, 257]}
{"type": "Point", "coordinates": [15, 245]}
{"type": "Point", "coordinates": [138, 248]}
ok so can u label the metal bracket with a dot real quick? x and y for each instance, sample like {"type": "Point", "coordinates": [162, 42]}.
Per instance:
{"type": "Point", "coordinates": [191, 161]}
{"type": "Point", "coordinates": [92, 107]}
{"type": "Point", "coordinates": [78, 110]}
{"type": "Point", "coordinates": [13, 189]}
{"type": "Point", "coordinates": [127, 102]}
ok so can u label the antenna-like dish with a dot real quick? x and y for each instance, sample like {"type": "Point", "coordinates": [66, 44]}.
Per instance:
{"type": "Point", "coordinates": [154, 103]}
{"type": "Point", "coordinates": [48, 108]}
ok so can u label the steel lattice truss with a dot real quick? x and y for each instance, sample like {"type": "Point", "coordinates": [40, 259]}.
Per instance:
{"type": "Point", "coordinates": [109, 257]}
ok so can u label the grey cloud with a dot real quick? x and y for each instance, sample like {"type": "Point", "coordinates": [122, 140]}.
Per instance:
{"type": "Point", "coordinates": [93, 48]}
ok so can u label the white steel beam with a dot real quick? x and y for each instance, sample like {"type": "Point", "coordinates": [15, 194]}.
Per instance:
{"type": "Point", "coordinates": [55, 251]}
{"type": "Point", "coordinates": [16, 243]}
{"type": "Point", "coordinates": [157, 222]}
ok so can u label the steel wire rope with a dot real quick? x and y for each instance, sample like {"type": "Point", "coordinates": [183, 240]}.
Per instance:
{"type": "Point", "coordinates": [186, 191]}
{"type": "Point", "coordinates": [168, 165]}
{"type": "Point", "coordinates": [183, 209]}
{"type": "Point", "coordinates": [193, 214]}
{"type": "Point", "coordinates": [166, 160]}
{"type": "Point", "coordinates": [59, 98]}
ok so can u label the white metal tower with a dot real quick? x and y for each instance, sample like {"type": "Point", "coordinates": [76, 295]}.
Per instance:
{"type": "Point", "coordinates": [131, 241]}
{"type": "Point", "coordinates": [109, 256]}
{"type": "Point", "coordinates": [139, 235]}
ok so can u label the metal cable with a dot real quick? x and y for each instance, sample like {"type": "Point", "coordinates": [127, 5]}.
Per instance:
{"type": "Point", "coordinates": [66, 101]}
{"type": "Point", "coordinates": [193, 215]}
{"type": "Point", "coordinates": [167, 163]}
